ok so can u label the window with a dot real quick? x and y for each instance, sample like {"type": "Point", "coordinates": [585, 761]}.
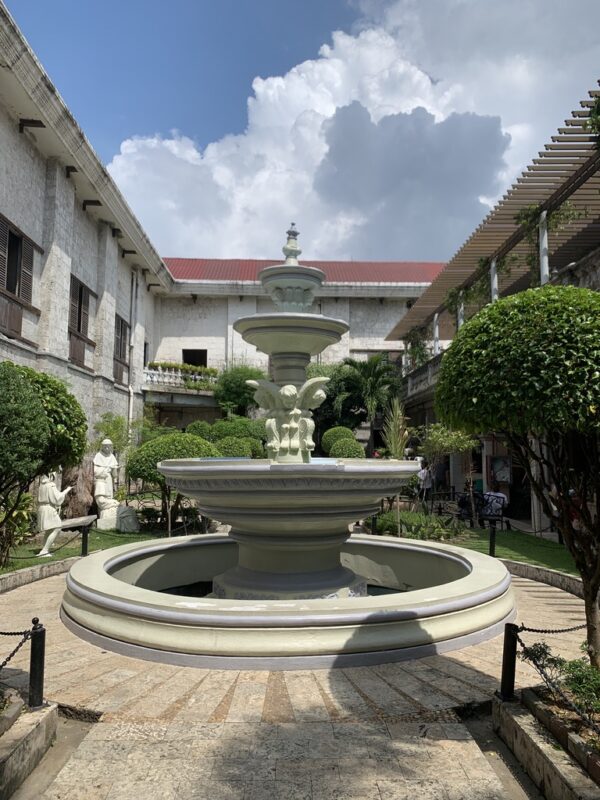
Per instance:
{"type": "Point", "coordinates": [196, 358]}
{"type": "Point", "coordinates": [79, 313]}
{"type": "Point", "coordinates": [16, 262]}
{"type": "Point", "coordinates": [16, 277]}
{"type": "Point", "coordinates": [79, 307]}
{"type": "Point", "coordinates": [121, 347]}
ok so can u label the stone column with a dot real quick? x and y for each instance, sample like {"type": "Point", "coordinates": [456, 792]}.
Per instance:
{"type": "Point", "coordinates": [543, 234]}
{"type": "Point", "coordinates": [106, 289]}
{"type": "Point", "coordinates": [55, 281]}
{"type": "Point", "coordinates": [493, 280]}
{"type": "Point", "coordinates": [436, 334]}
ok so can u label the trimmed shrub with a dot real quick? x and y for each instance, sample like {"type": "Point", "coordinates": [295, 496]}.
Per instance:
{"type": "Point", "coordinates": [239, 427]}
{"type": "Point", "coordinates": [142, 462]}
{"type": "Point", "coordinates": [258, 451]}
{"type": "Point", "coordinates": [199, 428]}
{"type": "Point", "coordinates": [333, 435]}
{"type": "Point", "coordinates": [347, 448]}
{"type": "Point", "coordinates": [232, 447]}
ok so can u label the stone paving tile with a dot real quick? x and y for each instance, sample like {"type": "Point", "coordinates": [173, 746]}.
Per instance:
{"type": "Point", "coordinates": [380, 733]}
{"type": "Point", "coordinates": [270, 790]}
{"type": "Point", "coordinates": [305, 697]}
{"type": "Point", "coordinates": [343, 699]}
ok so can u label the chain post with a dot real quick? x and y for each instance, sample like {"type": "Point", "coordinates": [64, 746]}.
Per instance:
{"type": "Point", "coordinates": [492, 548]}
{"type": "Point", "coordinates": [36, 664]}
{"type": "Point", "coordinates": [374, 524]}
{"type": "Point", "coordinates": [84, 540]}
{"type": "Point", "coordinates": [509, 662]}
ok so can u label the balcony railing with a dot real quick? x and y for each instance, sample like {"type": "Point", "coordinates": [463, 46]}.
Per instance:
{"type": "Point", "coordinates": [177, 379]}
{"type": "Point", "coordinates": [423, 378]}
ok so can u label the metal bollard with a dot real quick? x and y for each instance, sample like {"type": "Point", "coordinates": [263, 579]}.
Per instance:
{"type": "Point", "coordinates": [84, 540]}
{"type": "Point", "coordinates": [374, 524]}
{"type": "Point", "coordinates": [36, 664]}
{"type": "Point", "coordinates": [492, 550]}
{"type": "Point", "coordinates": [509, 662]}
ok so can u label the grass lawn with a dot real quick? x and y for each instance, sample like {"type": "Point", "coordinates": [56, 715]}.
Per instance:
{"type": "Point", "coordinates": [24, 555]}
{"type": "Point", "coordinates": [521, 547]}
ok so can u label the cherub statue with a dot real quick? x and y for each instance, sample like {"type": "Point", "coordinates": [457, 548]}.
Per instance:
{"type": "Point", "coordinates": [289, 425]}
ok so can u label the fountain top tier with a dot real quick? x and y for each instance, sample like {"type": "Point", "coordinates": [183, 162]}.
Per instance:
{"type": "Point", "coordinates": [290, 337]}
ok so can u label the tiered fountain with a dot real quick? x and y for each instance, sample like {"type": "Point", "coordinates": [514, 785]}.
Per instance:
{"type": "Point", "coordinates": [287, 587]}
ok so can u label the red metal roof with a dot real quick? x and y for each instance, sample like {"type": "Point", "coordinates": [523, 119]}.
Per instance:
{"type": "Point", "coordinates": [237, 269]}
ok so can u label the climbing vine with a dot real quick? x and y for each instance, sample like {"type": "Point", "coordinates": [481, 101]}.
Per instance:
{"type": "Point", "coordinates": [556, 220]}
{"type": "Point", "coordinates": [416, 346]}
{"type": "Point", "coordinates": [592, 123]}
{"type": "Point", "coordinates": [479, 292]}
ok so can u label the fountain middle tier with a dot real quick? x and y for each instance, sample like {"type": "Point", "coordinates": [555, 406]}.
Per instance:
{"type": "Point", "coordinates": [290, 520]}
{"type": "Point", "coordinates": [290, 339]}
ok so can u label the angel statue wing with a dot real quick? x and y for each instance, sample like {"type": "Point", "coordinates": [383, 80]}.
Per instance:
{"type": "Point", "coordinates": [266, 394]}
{"type": "Point", "coordinates": [311, 394]}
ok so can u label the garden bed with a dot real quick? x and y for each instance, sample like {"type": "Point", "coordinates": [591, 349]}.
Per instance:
{"type": "Point", "coordinates": [566, 727]}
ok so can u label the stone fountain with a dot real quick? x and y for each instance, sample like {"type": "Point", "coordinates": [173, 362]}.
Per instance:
{"type": "Point", "coordinates": [287, 587]}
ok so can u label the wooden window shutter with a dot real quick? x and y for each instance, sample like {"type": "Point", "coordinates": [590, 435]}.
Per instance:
{"type": "Point", "coordinates": [73, 303]}
{"type": "Point", "coordinates": [117, 337]}
{"type": "Point", "coordinates": [85, 310]}
{"type": "Point", "coordinates": [26, 286]}
{"type": "Point", "coordinates": [3, 251]}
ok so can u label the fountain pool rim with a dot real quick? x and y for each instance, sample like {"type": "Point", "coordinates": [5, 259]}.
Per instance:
{"type": "Point", "coordinates": [286, 634]}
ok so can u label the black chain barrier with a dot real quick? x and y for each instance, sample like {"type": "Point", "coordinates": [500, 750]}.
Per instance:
{"type": "Point", "coordinates": [37, 636]}
{"type": "Point", "coordinates": [555, 688]}
{"type": "Point", "coordinates": [551, 631]}
{"type": "Point", "coordinates": [26, 636]}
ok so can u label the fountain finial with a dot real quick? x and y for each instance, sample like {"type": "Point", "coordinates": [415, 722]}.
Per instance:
{"type": "Point", "coordinates": [291, 251]}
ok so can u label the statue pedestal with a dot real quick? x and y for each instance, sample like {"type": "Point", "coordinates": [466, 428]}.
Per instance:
{"type": "Point", "coordinates": [119, 518]}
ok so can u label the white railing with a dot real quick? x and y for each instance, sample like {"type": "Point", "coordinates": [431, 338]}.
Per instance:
{"type": "Point", "coordinates": [175, 378]}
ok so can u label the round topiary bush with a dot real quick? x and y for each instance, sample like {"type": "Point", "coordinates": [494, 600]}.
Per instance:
{"type": "Point", "coordinates": [259, 429]}
{"type": "Point", "coordinates": [232, 447]}
{"type": "Point", "coordinates": [347, 448]}
{"type": "Point", "coordinates": [239, 427]}
{"type": "Point", "coordinates": [333, 435]}
{"type": "Point", "coordinates": [142, 462]}
{"type": "Point", "coordinates": [199, 428]}
{"type": "Point", "coordinates": [258, 451]}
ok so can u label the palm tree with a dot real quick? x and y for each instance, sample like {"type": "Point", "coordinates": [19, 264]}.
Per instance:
{"type": "Point", "coordinates": [369, 384]}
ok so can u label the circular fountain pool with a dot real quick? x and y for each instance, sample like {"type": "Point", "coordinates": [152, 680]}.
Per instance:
{"type": "Point", "coordinates": [439, 598]}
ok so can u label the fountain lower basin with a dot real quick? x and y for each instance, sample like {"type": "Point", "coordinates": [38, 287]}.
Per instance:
{"type": "Point", "coordinates": [289, 520]}
{"type": "Point", "coordinates": [442, 598]}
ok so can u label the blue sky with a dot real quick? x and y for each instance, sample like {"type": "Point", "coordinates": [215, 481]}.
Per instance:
{"type": "Point", "coordinates": [385, 128]}
{"type": "Point", "coordinates": [145, 71]}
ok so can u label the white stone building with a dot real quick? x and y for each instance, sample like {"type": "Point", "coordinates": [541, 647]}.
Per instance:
{"type": "Point", "coordinates": [85, 296]}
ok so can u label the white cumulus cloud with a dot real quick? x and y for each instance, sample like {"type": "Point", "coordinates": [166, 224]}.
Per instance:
{"type": "Point", "coordinates": [388, 145]}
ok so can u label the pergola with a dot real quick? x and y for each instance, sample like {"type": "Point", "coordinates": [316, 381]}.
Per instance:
{"type": "Point", "coordinates": [567, 169]}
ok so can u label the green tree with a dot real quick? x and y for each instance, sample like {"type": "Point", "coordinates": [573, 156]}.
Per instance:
{"type": "Point", "coordinates": [24, 439]}
{"type": "Point", "coordinates": [339, 408]}
{"type": "Point", "coordinates": [68, 425]}
{"type": "Point", "coordinates": [231, 391]}
{"type": "Point", "coordinates": [141, 464]}
{"type": "Point", "coordinates": [438, 441]}
{"type": "Point", "coordinates": [370, 385]}
{"type": "Point", "coordinates": [114, 427]}
{"type": "Point", "coordinates": [527, 367]}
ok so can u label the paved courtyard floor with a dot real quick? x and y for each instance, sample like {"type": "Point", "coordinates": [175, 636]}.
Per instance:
{"type": "Point", "coordinates": [388, 732]}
